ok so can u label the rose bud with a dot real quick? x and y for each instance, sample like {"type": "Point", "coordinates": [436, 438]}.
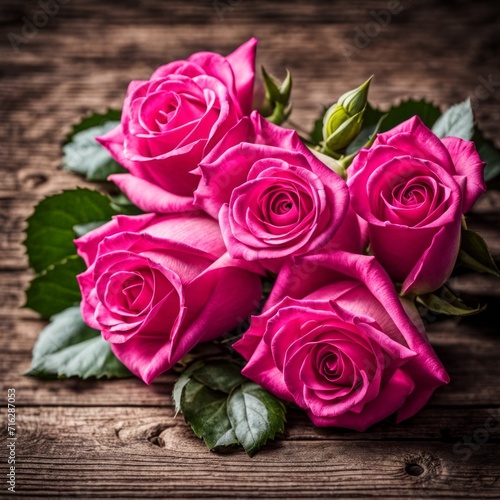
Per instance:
{"type": "Point", "coordinates": [343, 121]}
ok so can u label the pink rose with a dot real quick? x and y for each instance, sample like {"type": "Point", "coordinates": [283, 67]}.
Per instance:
{"type": "Point", "coordinates": [412, 188]}
{"type": "Point", "coordinates": [157, 285]}
{"type": "Point", "coordinates": [335, 339]}
{"type": "Point", "coordinates": [272, 196]}
{"type": "Point", "coordinates": [236, 71]}
{"type": "Point", "coordinates": [170, 122]}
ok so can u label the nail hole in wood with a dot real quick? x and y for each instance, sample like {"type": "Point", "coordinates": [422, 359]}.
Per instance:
{"type": "Point", "coordinates": [414, 469]}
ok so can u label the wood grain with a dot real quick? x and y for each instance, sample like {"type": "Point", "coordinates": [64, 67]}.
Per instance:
{"type": "Point", "coordinates": [113, 444]}
{"type": "Point", "coordinates": [119, 438]}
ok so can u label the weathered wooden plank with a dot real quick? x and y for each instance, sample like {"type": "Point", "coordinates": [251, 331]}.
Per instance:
{"type": "Point", "coordinates": [124, 452]}
{"type": "Point", "coordinates": [100, 72]}
{"type": "Point", "coordinates": [12, 296]}
{"type": "Point", "coordinates": [147, 423]}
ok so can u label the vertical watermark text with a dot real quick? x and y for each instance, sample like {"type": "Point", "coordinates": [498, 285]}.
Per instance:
{"type": "Point", "coordinates": [11, 440]}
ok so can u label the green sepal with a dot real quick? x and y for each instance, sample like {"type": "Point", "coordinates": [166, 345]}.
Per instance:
{"type": "Point", "coordinates": [277, 105]}
{"type": "Point", "coordinates": [348, 128]}
{"type": "Point", "coordinates": [276, 91]}
{"type": "Point", "coordinates": [354, 101]}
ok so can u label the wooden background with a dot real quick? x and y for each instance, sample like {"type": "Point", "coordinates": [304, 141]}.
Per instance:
{"type": "Point", "coordinates": [120, 438]}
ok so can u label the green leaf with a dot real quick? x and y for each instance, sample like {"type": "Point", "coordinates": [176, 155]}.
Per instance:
{"type": "Point", "coordinates": [361, 139]}
{"type": "Point", "coordinates": [81, 229]}
{"type": "Point", "coordinates": [255, 416]}
{"type": "Point", "coordinates": [57, 220]}
{"type": "Point", "coordinates": [181, 382]}
{"type": "Point", "coordinates": [426, 111]}
{"type": "Point", "coordinates": [224, 409]}
{"type": "Point", "coordinates": [56, 288]}
{"type": "Point", "coordinates": [123, 205]}
{"type": "Point", "coordinates": [372, 115]}
{"type": "Point", "coordinates": [444, 301]}
{"type": "Point", "coordinates": [220, 376]}
{"type": "Point", "coordinates": [65, 329]}
{"type": "Point", "coordinates": [67, 347]}
{"type": "Point", "coordinates": [83, 155]}
{"type": "Point", "coordinates": [456, 121]}
{"type": "Point", "coordinates": [475, 255]}
{"type": "Point", "coordinates": [94, 120]}
{"type": "Point", "coordinates": [205, 410]}
{"type": "Point", "coordinates": [51, 228]}
{"type": "Point", "coordinates": [489, 154]}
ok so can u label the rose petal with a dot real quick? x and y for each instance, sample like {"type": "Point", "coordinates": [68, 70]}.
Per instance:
{"type": "Point", "coordinates": [113, 142]}
{"type": "Point", "coordinates": [436, 263]}
{"type": "Point", "coordinates": [468, 164]}
{"type": "Point", "coordinates": [88, 244]}
{"type": "Point", "coordinates": [242, 61]}
{"type": "Point", "coordinates": [150, 197]}
{"type": "Point", "coordinates": [413, 138]}
{"type": "Point", "coordinates": [390, 398]}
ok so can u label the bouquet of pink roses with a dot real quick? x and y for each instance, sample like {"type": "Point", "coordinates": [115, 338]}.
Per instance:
{"type": "Point", "coordinates": [337, 242]}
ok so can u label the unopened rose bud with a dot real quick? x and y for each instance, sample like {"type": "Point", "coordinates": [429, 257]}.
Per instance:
{"type": "Point", "coordinates": [343, 121]}
{"type": "Point", "coordinates": [355, 100]}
